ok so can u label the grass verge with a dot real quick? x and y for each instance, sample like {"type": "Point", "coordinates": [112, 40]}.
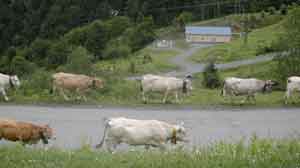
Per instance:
{"type": "Point", "coordinates": [259, 153]}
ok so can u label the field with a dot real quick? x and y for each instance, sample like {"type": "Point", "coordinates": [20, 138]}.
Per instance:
{"type": "Point", "coordinates": [259, 153]}
{"type": "Point", "coordinates": [259, 42]}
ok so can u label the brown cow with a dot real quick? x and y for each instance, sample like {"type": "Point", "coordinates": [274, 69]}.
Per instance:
{"type": "Point", "coordinates": [25, 132]}
{"type": "Point", "coordinates": [74, 82]}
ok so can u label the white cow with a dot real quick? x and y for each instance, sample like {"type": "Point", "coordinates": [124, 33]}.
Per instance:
{"type": "Point", "coordinates": [246, 87]}
{"type": "Point", "coordinates": [155, 83]}
{"type": "Point", "coordinates": [293, 84]}
{"type": "Point", "coordinates": [140, 132]}
{"type": "Point", "coordinates": [6, 82]}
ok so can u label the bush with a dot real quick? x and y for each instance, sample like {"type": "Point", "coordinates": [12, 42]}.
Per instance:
{"type": "Point", "coordinates": [39, 82]}
{"type": "Point", "coordinates": [20, 66]}
{"type": "Point", "coordinates": [57, 54]}
{"type": "Point", "coordinates": [183, 19]}
{"type": "Point", "coordinates": [116, 51]}
{"type": "Point", "coordinates": [211, 77]}
{"type": "Point", "coordinates": [272, 10]}
{"type": "Point", "coordinates": [79, 61]}
{"type": "Point", "coordinates": [283, 9]}
{"type": "Point", "coordinates": [139, 36]}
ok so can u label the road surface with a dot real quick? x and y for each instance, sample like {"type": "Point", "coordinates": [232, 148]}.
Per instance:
{"type": "Point", "coordinates": [188, 67]}
{"type": "Point", "coordinates": [78, 125]}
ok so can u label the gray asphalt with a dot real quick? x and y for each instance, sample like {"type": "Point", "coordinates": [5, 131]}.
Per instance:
{"type": "Point", "coordinates": [188, 67]}
{"type": "Point", "coordinates": [78, 125]}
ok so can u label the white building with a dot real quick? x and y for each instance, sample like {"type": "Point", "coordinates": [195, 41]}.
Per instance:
{"type": "Point", "coordinates": [200, 34]}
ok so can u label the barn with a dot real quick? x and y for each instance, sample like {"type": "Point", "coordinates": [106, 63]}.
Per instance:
{"type": "Point", "coordinates": [200, 34]}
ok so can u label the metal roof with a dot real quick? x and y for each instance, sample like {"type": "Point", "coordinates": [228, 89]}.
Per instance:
{"type": "Point", "coordinates": [208, 30]}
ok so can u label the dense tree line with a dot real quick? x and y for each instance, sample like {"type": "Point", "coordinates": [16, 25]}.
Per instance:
{"type": "Point", "coordinates": [43, 33]}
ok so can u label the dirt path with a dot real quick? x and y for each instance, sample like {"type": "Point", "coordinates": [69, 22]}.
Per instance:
{"type": "Point", "coordinates": [78, 125]}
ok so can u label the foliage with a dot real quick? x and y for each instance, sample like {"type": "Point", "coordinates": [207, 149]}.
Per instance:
{"type": "Point", "coordinates": [140, 35]}
{"type": "Point", "coordinates": [183, 19]}
{"type": "Point", "coordinates": [20, 66]}
{"type": "Point", "coordinates": [115, 50]}
{"type": "Point", "coordinates": [210, 76]}
{"type": "Point", "coordinates": [79, 61]}
{"type": "Point", "coordinates": [288, 64]}
{"type": "Point", "coordinates": [271, 10]}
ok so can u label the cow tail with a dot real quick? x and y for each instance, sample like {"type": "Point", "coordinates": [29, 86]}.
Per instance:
{"type": "Point", "coordinates": [51, 90]}
{"type": "Point", "coordinates": [223, 89]}
{"type": "Point", "coordinates": [106, 123]}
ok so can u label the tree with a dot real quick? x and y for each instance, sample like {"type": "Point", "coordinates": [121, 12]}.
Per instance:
{"type": "Point", "coordinates": [183, 19]}
{"type": "Point", "coordinates": [79, 61]}
{"type": "Point", "coordinates": [288, 64]}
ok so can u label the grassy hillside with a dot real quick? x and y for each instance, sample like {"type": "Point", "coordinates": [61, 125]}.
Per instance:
{"type": "Point", "coordinates": [137, 64]}
{"type": "Point", "coordinates": [259, 153]}
{"type": "Point", "coordinates": [259, 42]}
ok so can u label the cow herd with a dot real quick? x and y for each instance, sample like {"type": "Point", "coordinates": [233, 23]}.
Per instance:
{"type": "Point", "coordinates": [233, 86]}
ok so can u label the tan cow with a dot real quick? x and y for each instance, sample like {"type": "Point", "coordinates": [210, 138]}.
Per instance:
{"type": "Point", "coordinates": [25, 132]}
{"type": "Point", "coordinates": [74, 82]}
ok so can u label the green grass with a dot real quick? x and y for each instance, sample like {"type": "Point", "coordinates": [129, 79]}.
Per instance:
{"type": "Point", "coordinates": [123, 67]}
{"type": "Point", "coordinates": [258, 153]}
{"type": "Point", "coordinates": [237, 50]}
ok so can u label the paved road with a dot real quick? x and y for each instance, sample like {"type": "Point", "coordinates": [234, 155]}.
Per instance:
{"type": "Point", "coordinates": [188, 67]}
{"type": "Point", "coordinates": [77, 125]}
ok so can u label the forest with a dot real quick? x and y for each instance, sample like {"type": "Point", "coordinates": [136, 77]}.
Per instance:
{"type": "Point", "coordinates": [35, 34]}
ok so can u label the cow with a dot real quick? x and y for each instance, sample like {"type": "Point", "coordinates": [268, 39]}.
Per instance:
{"type": "Point", "coordinates": [148, 133]}
{"type": "Point", "coordinates": [155, 83]}
{"type": "Point", "coordinates": [293, 84]}
{"type": "Point", "coordinates": [246, 87]}
{"type": "Point", "coordinates": [7, 81]}
{"type": "Point", "coordinates": [24, 132]}
{"type": "Point", "coordinates": [74, 82]}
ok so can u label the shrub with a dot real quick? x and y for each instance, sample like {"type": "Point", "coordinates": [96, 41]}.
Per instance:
{"type": "Point", "coordinates": [210, 76]}
{"type": "Point", "coordinates": [283, 9]}
{"type": "Point", "coordinates": [139, 36]}
{"type": "Point", "coordinates": [57, 54]}
{"type": "Point", "coordinates": [37, 52]}
{"type": "Point", "coordinates": [39, 82]}
{"type": "Point", "coordinates": [79, 61]}
{"type": "Point", "coordinates": [132, 67]}
{"type": "Point", "coordinates": [20, 66]}
{"type": "Point", "coordinates": [116, 51]}
{"type": "Point", "coordinates": [272, 10]}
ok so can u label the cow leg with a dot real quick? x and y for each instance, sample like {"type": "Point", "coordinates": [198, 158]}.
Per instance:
{"type": "Point", "coordinates": [287, 96]}
{"type": "Point", "coordinates": [162, 147]}
{"type": "Point", "coordinates": [111, 145]}
{"type": "Point", "coordinates": [147, 147]}
{"type": "Point", "coordinates": [4, 94]}
{"type": "Point", "coordinates": [143, 97]}
{"type": "Point", "coordinates": [253, 98]}
{"type": "Point", "coordinates": [165, 96]}
{"type": "Point", "coordinates": [63, 94]}
{"type": "Point", "coordinates": [176, 97]}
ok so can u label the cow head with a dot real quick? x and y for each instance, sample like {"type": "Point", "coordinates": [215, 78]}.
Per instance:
{"type": "Point", "coordinates": [268, 86]}
{"type": "Point", "coordinates": [46, 133]}
{"type": "Point", "coordinates": [97, 83]}
{"type": "Point", "coordinates": [14, 81]}
{"type": "Point", "coordinates": [178, 134]}
{"type": "Point", "coordinates": [187, 85]}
